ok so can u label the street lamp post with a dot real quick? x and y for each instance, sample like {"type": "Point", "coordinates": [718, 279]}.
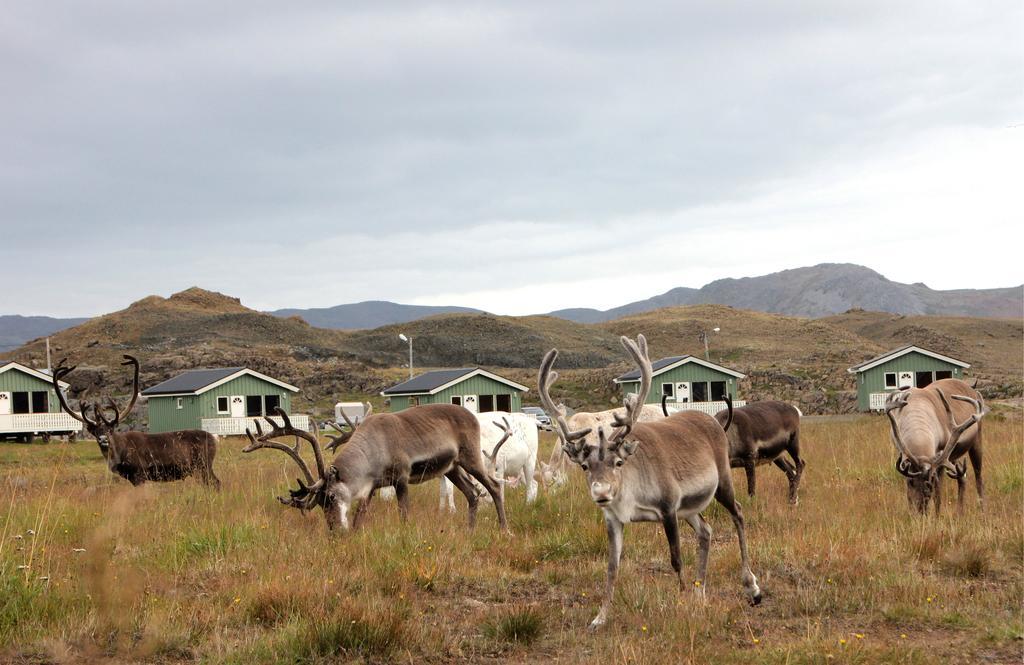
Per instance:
{"type": "Point", "coordinates": [402, 337]}
{"type": "Point", "coordinates": [704, 338]}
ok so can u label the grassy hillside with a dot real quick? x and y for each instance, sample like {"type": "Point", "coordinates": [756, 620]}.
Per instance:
{"type": "Point", "coordinates": [455, 340]}
{"type": "Point", "coordinates": [792, 358]}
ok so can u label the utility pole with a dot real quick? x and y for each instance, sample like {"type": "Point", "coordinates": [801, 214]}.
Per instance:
{"type": "Point", "coordinates": [704, 338]}
{"type": "Point", "coordinates": [402, 337]}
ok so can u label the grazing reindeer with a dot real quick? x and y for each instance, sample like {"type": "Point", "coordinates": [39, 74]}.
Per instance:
{"type": "Point", "coordinates": [929, 441]}
{"type": "Point", "coordinates": [389, 449]}
{"type": "Point", "coordinates": [652, 472]}
{"type": "Point", "coordinates": [759, 434]}
{"type": "Point", "coordinates": [138, 456]}
{"type": "Point", "coordinates": [517, 441]}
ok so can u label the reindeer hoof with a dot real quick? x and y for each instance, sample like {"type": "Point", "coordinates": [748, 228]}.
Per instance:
{"type": "Point", "coordinates": [595, 625]}
{"type": "Point", "coordinates": [756, 599]}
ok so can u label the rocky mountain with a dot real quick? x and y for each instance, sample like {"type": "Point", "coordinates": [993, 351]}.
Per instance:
{"type": "Point", "coordinates": [15, 330]}
{"type": "Point", "coordinates": [368, 314]}
{"type": "Point", "coordinates": [823, 290]}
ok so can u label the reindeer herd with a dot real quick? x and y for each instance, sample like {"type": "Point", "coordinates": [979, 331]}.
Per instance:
{"type": "Point", "coordinates": [641, 464]}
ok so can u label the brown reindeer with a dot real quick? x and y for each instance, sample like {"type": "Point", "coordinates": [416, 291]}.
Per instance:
{"type": "Point", "coordinates": [139, 456]}
{"type": "Point", "coordinates": [929, 441]}
{"type": "Point", "coordinates": [760, 432]}
{"type": "Point", "coordinates": [652, 472]}
{"type": "Point", "coordinates": [389, 449]}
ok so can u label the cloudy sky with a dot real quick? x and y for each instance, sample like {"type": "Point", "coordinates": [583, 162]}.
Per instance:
{"type": "Point", "coordinates": [518, 157]}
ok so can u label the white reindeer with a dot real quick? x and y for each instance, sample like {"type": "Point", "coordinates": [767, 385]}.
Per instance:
{"type": "Point", "coordinates": [516, 458]}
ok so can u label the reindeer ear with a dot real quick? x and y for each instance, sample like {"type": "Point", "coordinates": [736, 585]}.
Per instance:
{"type": "Point", "coordinates": [628, 448]}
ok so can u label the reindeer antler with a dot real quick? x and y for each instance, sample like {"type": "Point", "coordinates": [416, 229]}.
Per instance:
{"type": "Point", "coordinates": [129, 360]}
{"type": "Point", "coordinates": [343, 436]}
{"type": "Point", "coordinates": [941, 458]}
{"type": "Point", "coordinates": [906, 463]}
{"type": "Point", "coordinates": [507, 429]}
{"type": "Point", "coordinates": [545, 379]}
{"type": "Point", "coordinates": [633, 402]}
{"type": "Point", "coordinates": [306, 496]}
{"type": "Point", "coordinates": [59, 372]}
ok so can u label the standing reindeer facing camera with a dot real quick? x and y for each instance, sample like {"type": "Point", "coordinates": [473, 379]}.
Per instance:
{"type": "Point", "coordinates": [139, 456]}
{"type": "Point", "coordinates": [929, 441]}
{"type": "Point", "coordinates": [652, 472]}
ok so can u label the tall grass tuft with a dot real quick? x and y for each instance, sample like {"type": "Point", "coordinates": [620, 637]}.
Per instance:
{"type": "Point", "coordinates": [968, 560]}
{"type": "Point", "coordinates": [377, 634]}
{"type": "Point", "coordinates": [519, 624]}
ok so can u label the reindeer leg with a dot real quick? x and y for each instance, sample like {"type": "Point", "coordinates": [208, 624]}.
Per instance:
{"type": "Point", "coordinates": [703, 532]}
{"type": "Point", "coordinates": [794, 452]}
{"type": "Point", "coordinates": [614, 528]}
{"type": "Point", "coordinates": [791, 475]}
{"type": "Point", "coordinates": [975, 455]}
{"type": "Point", "coordinates": [670, 523]}
{"type": "Point", "coordinates": [750, 465]}
{"type": "Point", "coordinates": [727, 498]}
{"type": "Point", "coordinates": [447, 495]}
{"type": "Point", "coordinates": [961, 488]}
{"type": "Point", "coordinates": [360, 512]}
{"type": "Point", "coordinates": [402, 492]}
{"type": "Point", "coordinates": [465, 485]}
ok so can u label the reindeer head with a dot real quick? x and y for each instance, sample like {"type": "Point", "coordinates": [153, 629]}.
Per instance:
{"type": "Point", "coordinates": [602, 463]}
{"type": "Point", "coordinates": [98, 426]}
{"type": "Point", "coordinates": [922, 473]}
{"type": "Point", "coordinates": [327, 491]}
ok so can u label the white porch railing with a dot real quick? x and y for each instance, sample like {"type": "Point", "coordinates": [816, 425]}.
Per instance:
{"type": "Point", "coordinates": [710, 408]}
{"type": "Point", "coordinates": [38, 422]}
{"type": "Point", "coordinates": [876, 401]}
{"type": "Point", "coordinates": [237, 426]}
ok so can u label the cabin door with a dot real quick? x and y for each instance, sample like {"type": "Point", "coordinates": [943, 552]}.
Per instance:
{"type": "Point", "coordinates": [905, 380]}
{"type": "Point", "coordinates": [5, 404]}
{"type": "Point", "coordinates": [470, 402]}
{"type": "Point", "coordinates": [683, 392]}
{"type": "Point", "coordinates": [237, 406]}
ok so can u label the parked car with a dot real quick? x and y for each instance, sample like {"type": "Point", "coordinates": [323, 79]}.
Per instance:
{"type": "Point", "coordinates": [538, 414]}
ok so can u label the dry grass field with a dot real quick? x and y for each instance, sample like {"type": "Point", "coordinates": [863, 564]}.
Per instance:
{"type": "Point", "coordinates": [94, 570]}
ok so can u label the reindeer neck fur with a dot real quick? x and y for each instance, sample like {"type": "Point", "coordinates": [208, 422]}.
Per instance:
{"type": "Point", "coordinates": [676, 468]}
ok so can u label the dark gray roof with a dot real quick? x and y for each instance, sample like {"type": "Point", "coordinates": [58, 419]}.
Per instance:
{"type": "Point", "coordinates": [857, 367]}
{"type": "Point", "coordinates": [884, 355]}
{"type": "Point", "coordinates": [191, 381]}
{"type": "Point", "coordinates": [655, 366]}
{"type": "Point", "coordinates": [663, 364]}
{"type": "Point", "coordinates": [428, 381]}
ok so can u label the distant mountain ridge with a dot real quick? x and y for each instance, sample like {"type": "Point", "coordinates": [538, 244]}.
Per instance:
{"type": "Point", "coordinates": [823, 290]}
{"type": "Point", "coordinates": [369, 314]}
{"type": "Point", "coordinates": [15, 330]}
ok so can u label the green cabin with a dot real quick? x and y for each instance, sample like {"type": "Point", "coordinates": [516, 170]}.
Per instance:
{"type": "Point", "coordinates": [476, 389]}
{"type": "Point", "coordinates": [688, 382]}
{"type": "Point", "coordinates": [909, 366]}
{"type": "Point", "coordinates": [222, 401]}
{"type": "Point", "coordinates": [29, 406]}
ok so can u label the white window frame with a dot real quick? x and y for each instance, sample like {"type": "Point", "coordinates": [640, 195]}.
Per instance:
{"type": "Point", "coordinates": [672, 392]}
{"type": "Point", "coordinates": [895, 380]}
{"type": "Point", "coordinates": [179, 402]}
{"type": "Point", "coordinates": [227, 405]}
{"type": "Point", "coordinates": [457, 400]}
